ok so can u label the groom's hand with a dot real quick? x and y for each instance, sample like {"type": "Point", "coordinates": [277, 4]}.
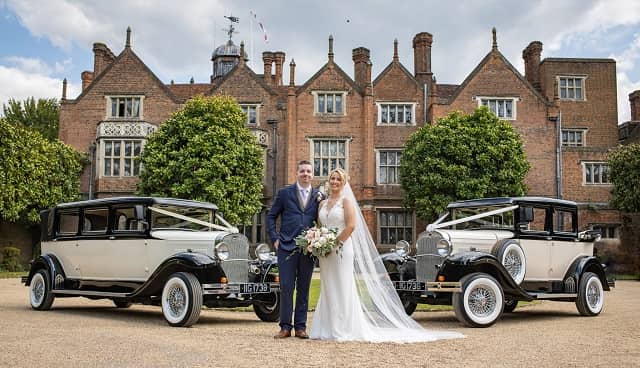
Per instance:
{"type": "Point", "coordinates": [276, 243]}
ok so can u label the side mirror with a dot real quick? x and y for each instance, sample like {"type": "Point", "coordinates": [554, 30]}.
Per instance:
{"type": "Point", "coordinates": [589, 235]}
{"type": "Point", "coordinates": [525, 214]}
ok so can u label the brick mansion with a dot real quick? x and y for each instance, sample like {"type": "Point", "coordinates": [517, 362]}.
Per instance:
{"type": "Point", "coordinates": [564, 108]}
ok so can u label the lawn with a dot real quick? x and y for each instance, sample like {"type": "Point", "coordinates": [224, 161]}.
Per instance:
{"type": "Point", "coordinates": [12, 275]}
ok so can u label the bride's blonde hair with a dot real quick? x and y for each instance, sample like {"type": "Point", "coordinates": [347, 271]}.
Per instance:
{"type": "Point", "coordinates": [344, 177]}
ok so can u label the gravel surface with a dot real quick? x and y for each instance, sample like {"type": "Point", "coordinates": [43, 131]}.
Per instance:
{"type": "Point", "coordinates": [79, 332]}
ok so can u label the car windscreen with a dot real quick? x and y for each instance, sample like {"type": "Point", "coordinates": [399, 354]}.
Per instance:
{"type": "Point", "coordinates": [165, 221]}
{"type": "Point", "coordinates": [502, 221]}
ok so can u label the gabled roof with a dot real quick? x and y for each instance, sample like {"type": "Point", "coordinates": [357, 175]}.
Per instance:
{"type": "Point", "coordinates": [130, 52]}
{"type": "Point", "coordinates": [388, 68]}
{"type": "Point", "coordinates": [219, 81]}
{"type": "Point", "coordinates": [186, 91]}
{"type": "Point", "coordinates": [485, 60]}
{"type": "Point", "coordinates": [324, 68]}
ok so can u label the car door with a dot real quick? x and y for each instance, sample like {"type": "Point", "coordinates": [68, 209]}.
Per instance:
{"type": "Point", "coordinates": [565, 245]}
{"type": "Point", "coordinates": [64, 245]}
{"type": "Point", "coordinates": [535, 240]}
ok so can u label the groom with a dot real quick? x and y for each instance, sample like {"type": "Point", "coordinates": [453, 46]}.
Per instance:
{"type": "Point", "coordinates": [297, 207]}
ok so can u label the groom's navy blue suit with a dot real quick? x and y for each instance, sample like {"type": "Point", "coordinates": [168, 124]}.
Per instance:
{"type": "Point", "coordinates": [295, 269]}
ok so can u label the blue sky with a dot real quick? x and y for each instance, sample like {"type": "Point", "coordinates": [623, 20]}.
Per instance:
{"type": "Point", "coordinates": [44, 41]}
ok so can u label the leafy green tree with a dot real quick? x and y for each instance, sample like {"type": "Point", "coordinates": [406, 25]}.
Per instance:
{"type": "Point", "coordinates": [41, 115]}
{"type": "Point", "coordinates": [204, 152]}
{"type": "Point", "coordinates": [624, 174]}
{"type": "Point", "coordinates": [36, 173]}
{"type": "Point", "coordinates": [462, 157]}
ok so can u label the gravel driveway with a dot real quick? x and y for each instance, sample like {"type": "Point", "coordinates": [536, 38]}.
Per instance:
{"type": "Point", "coordinates": [81, 333]}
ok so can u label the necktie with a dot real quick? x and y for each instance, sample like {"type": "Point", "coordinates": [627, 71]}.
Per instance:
{"type": "Point", "coordinates": [304, 196]}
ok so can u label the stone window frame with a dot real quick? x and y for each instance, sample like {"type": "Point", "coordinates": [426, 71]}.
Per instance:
{"type": "Point", "coordinates": [379, 227]}
{"type": "Point", "coordinates": [109, 106]}
{"type": "Point", "coordinates": [313, 158]}
{"type": "Point", "coordinates": [257, 107]}
{"type": "Point", "coordinates": [581, 131]}
{"type": "Point", "coordinates": [514, 103]}
{"type": "Point", "coordinates": [574, 77]}
{"type": "Point", "coordinates": [316, 110]}
{"type": "Point", "coordinates": [102, 157]}
{"type": "Point", "coordinates": [609, 228]}
{"type": "Point", "coordinates": [379, 167]}
{"type": "Point", "coordinates": [600, 165]}
{"type": "Point", "coordinates": [380, 104]}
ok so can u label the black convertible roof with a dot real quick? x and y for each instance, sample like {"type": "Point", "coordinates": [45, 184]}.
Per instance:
{"type": "Point", "coordinates": [149, 201]}
{"type": "Point", "coordinates": [512, 201]}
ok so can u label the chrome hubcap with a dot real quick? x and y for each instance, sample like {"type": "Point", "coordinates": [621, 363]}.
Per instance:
{"type": "Point", "coordinates": [482, 301]}
{"type": "Point", "coordinates": [176, 300]}
{"type": "Point", "coordinates": [593, 295]}
{"type": "Point", "coordinates": [513, 263]}
{"type": "Point", "coordinates": [38, 291]}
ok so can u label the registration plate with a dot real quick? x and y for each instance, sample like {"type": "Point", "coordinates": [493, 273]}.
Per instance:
{"type": "Point", "coordinates": [409, 285]}
{"type": "Point", "coordinates": [255, 288]}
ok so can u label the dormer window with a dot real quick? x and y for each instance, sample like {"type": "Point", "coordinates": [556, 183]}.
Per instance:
{"type": "Point", "coordinates": [124, 107]}
{"type": "Point", "coordinates": [503, 107]}
{"type": "Point", "coordinates": [329, 103]}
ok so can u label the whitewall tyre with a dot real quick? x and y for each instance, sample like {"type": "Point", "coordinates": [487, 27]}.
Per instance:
{"type": "Point", "coordinates": [481, 302]}
{"type": "Point", "coordinates": [590, 295]}
{"type": "Point", "coordinates": [40, 295]}
{"type": "Point", "coordinates": [512, 258]}
{"type": "Point", "coordinates": [182, 299]}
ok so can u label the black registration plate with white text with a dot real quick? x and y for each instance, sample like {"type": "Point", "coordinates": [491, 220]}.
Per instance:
{"type": "Point", "coordinates": [409, 285]}
{"type": "Point", "coordinates": [255, 288]}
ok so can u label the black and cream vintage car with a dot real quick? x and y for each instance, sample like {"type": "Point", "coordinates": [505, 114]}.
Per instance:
{"type": "Point", "coordinates": [176, 253]}
{"type": "Point", "coordinates": [484, 255]}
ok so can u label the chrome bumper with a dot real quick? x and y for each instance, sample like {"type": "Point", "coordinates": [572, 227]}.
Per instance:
{"type": "Point", "coordinates": [241, 288]}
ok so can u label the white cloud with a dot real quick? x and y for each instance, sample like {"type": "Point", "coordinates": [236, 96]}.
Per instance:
{"type": "Point", "coordinates": [25, 84]}
{"type": "Point", "coordinates": [28, 65]}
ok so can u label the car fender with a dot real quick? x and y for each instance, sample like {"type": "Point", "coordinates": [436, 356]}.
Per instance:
{"type": "Point", "coordinates": [587, 264]}
{"type": "Point", "coordinates": [458, 265]}
{"type": "Point", "coordinates": [205, 268]}
{"type": "Point", "coordinates": [397, 266]}
{"type": "Point", "coordinates": [50, 263]}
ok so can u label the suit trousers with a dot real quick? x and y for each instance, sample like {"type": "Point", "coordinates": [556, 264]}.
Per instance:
{"type": "Point", "coordinates": [296, 270]}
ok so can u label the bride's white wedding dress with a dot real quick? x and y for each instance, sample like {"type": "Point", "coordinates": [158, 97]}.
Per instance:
{"type": "Point", "coordinates": [357, 299]}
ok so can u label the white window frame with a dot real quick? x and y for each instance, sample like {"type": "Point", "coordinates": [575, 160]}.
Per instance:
{"type": "Point", "coordinates": [109, 100]}
{"type": "Point", "coordinates": [582, 131]}
{"type": "Point", "coordinates": [380, 105]}
{"type": "Point", "coordinates": [584, 173]}
{"type": "Point", "coordinates": [379, 168]}
{"type": "Point", "coordinates": [247, 106]}
{"type": "Point", "coordinates": [102, 157]}
{"type": "Point", "coordinates": [380, 210]}
{"type": "Point", "coordinates": [514, 104]}
{"type": "Point", "coordinates": [312, 157]}
{"type": "Point", "coordinates": [583, 78]}
{"type": "Point", "coordinates": [316, 110]}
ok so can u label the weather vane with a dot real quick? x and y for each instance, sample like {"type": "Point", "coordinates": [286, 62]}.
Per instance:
{"type": "Point", "coordinates": [231, 30]}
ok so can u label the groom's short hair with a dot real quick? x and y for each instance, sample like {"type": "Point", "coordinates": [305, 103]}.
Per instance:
{"type": "Point", "coordinates": [303, 162]}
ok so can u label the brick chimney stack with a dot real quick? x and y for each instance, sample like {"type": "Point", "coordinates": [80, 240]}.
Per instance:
{"type": "Point", "coordinates": [422, 56]}
{"type": "Point", "coordinates": [87, 78]}
{"type": "Point", "coordinates": [267, 58]}
{"type": "Point", "coordinates": [102, 57]}
{"type": "Point", "coordinates": [278, 57]}
{"type": "Point", "coordinates": [531, 56]}
{"type": "Point", "coordinates": [634, 101]}
{"type": "Point", "coordinates": [361, 69]}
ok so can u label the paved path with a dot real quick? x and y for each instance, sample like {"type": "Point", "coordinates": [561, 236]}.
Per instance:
{"type": "Point", "coordinates": [81, 333]}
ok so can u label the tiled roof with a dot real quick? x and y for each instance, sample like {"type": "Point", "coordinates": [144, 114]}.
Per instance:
{"type": "Point", "coordinates": [186, 91]}
{"type": "Point", "coordinates": [445, 91]}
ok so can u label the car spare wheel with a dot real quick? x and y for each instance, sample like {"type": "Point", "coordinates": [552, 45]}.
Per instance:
{"type": "Point", "coordinates": [512, 257]}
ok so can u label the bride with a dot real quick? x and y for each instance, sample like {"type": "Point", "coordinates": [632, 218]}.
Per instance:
{"type": "Point", "coordinates": [358, 301]}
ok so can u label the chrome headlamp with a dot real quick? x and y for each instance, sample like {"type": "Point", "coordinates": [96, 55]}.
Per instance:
{"type": "Point", "coordinates": [222, 251]}
{"type": "Point", "coordinates": [402, 248]}
{"type": "Point", "coordinates": [263, 252]}
{"type": "Point", "coordinates": [444, 247]}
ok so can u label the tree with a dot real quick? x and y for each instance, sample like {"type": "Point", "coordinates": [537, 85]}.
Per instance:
{"type": "Point", "coordinates": [204, 152]}
{"type": "Point", "coordinates": [624, 174]}
{"type": "Point", "coordinates": [462, 157]}
{"type": "Point", "coordinates": [36, 173]}
{"type": "Point", "coordinates": [41, 115]}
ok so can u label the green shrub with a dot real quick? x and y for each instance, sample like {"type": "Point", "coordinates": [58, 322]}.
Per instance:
{"type": "Point", "coordinates": [11, 259]}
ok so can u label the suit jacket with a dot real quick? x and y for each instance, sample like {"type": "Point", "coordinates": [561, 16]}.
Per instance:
{"type": "Point", "coordinates": [294, 218]}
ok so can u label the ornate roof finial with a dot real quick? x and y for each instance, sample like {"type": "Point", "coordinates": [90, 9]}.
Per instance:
{"type": "Point", "coordinates": [128, 43]}
{"type": "Point", "coordinates": [64, 89]}
{"type": "Point", "coordinates": [191, 81]}
{"type": "Point", "coordinates": [395, 50]}
{"type": "Point", "coordinates": [231, 30]}
{"type": "Point", "coordinates": [331, 47]}
{"type": "Point", "coordinates": [241, 52]}
{"type": "Point", "coordinates": [495, 39]}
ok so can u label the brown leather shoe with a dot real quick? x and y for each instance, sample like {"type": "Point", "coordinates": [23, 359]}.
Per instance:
{"type": "Point", "coordinates": [302, 334]}
{"type": "Point", "coordinates": [283, 334]}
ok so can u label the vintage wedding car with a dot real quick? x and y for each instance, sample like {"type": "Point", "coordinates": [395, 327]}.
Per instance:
{"type": "Point", "coordinates": [492, 253]}
{"type": "Point", "coordinates": [176, 253]}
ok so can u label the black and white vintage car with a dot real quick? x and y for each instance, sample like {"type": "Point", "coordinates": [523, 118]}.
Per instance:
{"type": "Point", "coordinates": [484, 255]}
{"type": "Point", "coordinates": [176, 253]}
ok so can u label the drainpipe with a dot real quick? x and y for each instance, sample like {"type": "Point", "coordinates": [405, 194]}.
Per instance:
{"type": "Point", "coordinates": [425, 90]}
{"type": "Point", "coordinates": [274, 151]}
{"type": "Point", "coordinates": [92, 157]}
{"type": "Point", "coordinates": [559, 157]}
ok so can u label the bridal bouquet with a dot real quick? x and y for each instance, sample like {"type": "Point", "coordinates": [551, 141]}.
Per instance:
{"type": "Point", "coordinates": [319, 241]}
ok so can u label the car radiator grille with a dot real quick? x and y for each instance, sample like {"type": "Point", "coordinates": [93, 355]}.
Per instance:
{"type": "Point", "coordinates": [427, 257]}
{"type": "Point", "coordinates": [237, 266]}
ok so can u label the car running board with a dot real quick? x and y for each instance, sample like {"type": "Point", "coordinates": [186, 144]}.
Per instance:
{"type": "Point", "coordinates": [91, 293]}
{"type": "Point", "coordinates": [552, 295]}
